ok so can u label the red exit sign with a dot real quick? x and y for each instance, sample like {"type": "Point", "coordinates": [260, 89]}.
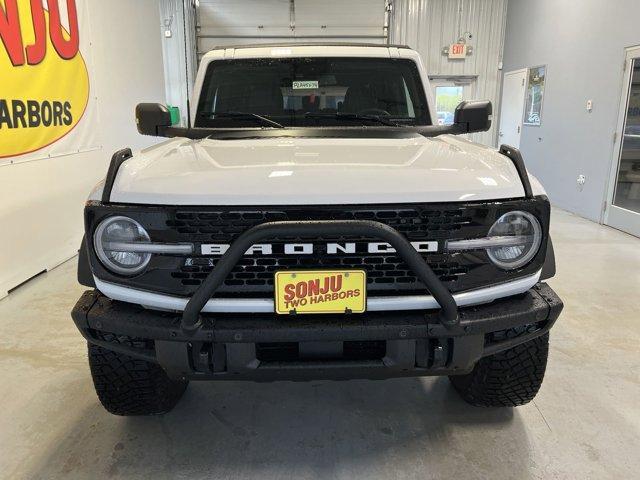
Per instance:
{"type": "Point", "coordinates": [458, 50]}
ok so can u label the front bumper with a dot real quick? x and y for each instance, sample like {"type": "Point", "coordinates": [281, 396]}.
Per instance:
{"type": "Point", "coordinates": [267, 347]}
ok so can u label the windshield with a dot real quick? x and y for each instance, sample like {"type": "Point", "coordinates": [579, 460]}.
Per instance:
{"type": "Point", "coordinates": [310, 92]}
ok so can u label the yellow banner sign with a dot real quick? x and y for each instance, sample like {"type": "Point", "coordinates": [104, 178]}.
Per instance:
{"type": "Point", "coordinates": [313, 291]}
{"type": "Point", "coordinates": [44, 83]}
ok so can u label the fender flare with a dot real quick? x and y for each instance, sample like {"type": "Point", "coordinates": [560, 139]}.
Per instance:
{"type": "Point", "coordinates": [85, 275]}
{"type": "Point", "coordinates": [549, 267]}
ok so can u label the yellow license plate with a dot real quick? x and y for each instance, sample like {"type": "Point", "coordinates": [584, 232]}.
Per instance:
{"type": "Point", "coordinates": [321, 291]}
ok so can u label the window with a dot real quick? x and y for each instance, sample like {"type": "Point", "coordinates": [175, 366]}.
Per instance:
{"type": "Point", "coordinates": [627, 192]}
{"type": "Point", "coordinates": [311, 92]}
{"type": "Point", "coordinates": [447, 99]}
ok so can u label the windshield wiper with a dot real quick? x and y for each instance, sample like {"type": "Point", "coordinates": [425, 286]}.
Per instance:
{"type": "Point", "coordinates": [353, 116]}
{"type": "Point", "coordinates": [240, 115]}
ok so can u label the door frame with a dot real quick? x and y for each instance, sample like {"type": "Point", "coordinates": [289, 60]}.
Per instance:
{"type": "Point", "coordinates": [513, 72]}
{"type": "Point", "coordinates": [618, 217]}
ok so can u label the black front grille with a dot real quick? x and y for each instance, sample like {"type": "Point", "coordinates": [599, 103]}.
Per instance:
{"type": "Point", "coordinates": [381, 269]}
{"type": "Point", "coordinates": [387, 274]}
{"type": "Point", "coordinates": [415, 223]}
{"type": "Point", "coordinates": [384, 272]}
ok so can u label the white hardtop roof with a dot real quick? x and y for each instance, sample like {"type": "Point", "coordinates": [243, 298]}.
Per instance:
{"type": "Point", "coordinates": [283, 50]}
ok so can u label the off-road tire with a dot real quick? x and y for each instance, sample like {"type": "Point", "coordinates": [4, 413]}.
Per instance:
{"type": "Point", "coordinates": [128, 386]}
{"type": "Point", "coordinates": [506, 379]}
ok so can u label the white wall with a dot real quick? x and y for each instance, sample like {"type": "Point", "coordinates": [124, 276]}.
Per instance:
{"type": "Point", "coordinates": [238, 22]}
{"type": "Point", "coordinates": [179, 52]}
{"type": "Point", "coordinates": [41, 201]}
{"type": "Point", "coordinates": [583, 45]}
{"type": "Point", "coordinates": [430, 25]}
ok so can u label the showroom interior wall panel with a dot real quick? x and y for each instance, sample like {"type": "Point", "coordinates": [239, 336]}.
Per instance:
{"type": "Point", "coordinates": [225, 18]}
{"type": "Point", "coordinates": [360, 20]}
{"type": "Point", "coordinates": [430, 25]}
{"type": "Point", "coordinates": [583, 46]}
{"type": "Point", "coordinates": [239, 22]}
{"type": "Point", "coordinates": [42, 197]}
{"type": "Point", "coordinates": [179, 52]}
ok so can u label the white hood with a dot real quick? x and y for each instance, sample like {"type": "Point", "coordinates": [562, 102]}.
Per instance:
{"type": "Point", "coordinates": [304, 171]}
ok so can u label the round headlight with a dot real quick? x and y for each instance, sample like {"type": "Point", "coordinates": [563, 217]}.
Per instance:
{"type": "Point", "coordinates": [525, 233]}
{"type": "Point", "coordinates": [111, 239]}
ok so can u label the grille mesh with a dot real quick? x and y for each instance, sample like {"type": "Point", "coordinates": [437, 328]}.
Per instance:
{"type": "Point", "coordinates": [384, 271]}
{"type": "Point", "coordinates": [224, 227]}
{"type": "Point", "coordinates": [381, 270]}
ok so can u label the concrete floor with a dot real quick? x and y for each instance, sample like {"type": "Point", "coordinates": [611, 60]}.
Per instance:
{"type": "Point", "coordinates": [584, 424]}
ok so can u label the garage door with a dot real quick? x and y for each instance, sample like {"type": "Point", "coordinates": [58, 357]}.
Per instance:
{"type": "Point", "coordinates": [237, 22]}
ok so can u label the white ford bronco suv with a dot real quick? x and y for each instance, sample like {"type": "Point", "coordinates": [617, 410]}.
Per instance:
{"type": "Point", "coordinates": [314, 222]}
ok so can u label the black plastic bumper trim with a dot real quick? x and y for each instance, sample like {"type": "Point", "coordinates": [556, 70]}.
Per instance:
{"type": "Point", "coordinates": [239, 333]}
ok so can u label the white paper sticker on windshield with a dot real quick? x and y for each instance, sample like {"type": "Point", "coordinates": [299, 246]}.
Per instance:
{"type": "Point", "coordinates": [305, 85]}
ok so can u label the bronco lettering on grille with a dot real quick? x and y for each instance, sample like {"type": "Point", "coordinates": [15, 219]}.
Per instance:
{"type": "Point", "coordinates": [309, 248]}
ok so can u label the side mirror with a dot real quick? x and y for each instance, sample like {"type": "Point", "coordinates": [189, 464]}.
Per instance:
{"type": "Point", "coordinates": [473, 116]}
{"type": "Point", "coordinates": [153, 118]}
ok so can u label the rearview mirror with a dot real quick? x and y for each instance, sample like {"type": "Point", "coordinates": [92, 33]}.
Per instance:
{"type": "Point", "coordinates": [153, 118]}
{"type": "Point", "coordinates": [473, 116]}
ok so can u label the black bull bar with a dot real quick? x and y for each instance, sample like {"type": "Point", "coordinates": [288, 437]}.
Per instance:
{"type": "Point", "coordinates": [448, 314]}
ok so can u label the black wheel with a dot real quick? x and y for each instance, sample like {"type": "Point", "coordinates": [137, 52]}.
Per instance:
{"type": "Point", "coordinates": [127, 386]}
{"type": "Point", "coordinates": [506, 379]}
